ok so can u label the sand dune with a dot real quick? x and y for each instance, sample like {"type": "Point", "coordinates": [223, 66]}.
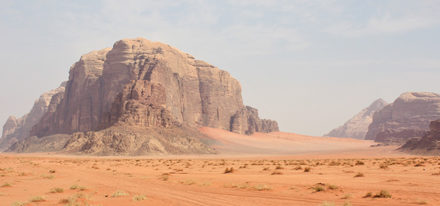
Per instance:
{"type": "Point", "coordinates": [280, 143]}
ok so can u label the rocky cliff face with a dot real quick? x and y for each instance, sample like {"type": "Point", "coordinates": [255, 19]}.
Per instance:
{"type": "Point", "coordinates": [17, 129]}
{"type": "Point", "coordinates": [144, 84]}
{"type": "Point", "coordinates": [428, 144]}
{"type": "Point", "coordinates": [408, 116]}
{"type": "Point", "coordinates": [357, 126]}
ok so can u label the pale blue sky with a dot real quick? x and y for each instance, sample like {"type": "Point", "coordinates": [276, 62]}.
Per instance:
{"type": "Point", "coordinates": [310, 65]}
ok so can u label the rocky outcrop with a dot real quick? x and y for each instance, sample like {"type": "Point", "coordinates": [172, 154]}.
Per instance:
{"type": "Point", "coordinates": [149, 85]}
{"type": "Point", "coordinates": [407, 117]}
{"type": "Point", "coordinates": [357, 126]}
{"type": "Point", "coordinates": [247, 121]}
{"type": "Point", "coordinates": [429, 144]}
{"type": "Point", "coordinates": [120, 140]}
{"type": "Point", "coordinates": [17, 129]}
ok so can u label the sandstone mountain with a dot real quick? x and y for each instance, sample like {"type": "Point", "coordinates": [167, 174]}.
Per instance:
{"type": "Point", "coordinates": [138, 97]}
{"type": "Point", "coordinates": [408, 116]}
{"type": "Point", "coordinates": [357, 126]}
{"type": "Point", "coordinates": [429, 144]}
{"type": "Point", "coordinates": [17, 129]}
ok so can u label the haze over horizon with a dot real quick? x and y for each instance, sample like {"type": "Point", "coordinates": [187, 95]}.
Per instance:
{"type": "Point", "coordinates": [310, 65]}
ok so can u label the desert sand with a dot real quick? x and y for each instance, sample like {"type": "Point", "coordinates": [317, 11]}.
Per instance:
{"type": "Point", "coordinates": [293, 170]}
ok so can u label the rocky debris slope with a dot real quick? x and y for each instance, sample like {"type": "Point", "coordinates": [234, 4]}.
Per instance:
{"type": "Point", "coordinates": [429, 144]}
{"type": "Point", "coordinates": [146, 85]}
{"type": "Point", "coordinates": [357, 126]}
{"type": "Point", "coordinates": [407, 117]}
{"type": "Point", "coordinates": [17, 129]}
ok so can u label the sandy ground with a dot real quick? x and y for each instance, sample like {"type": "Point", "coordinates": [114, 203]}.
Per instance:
{"type": "Point", "coordinates": [329, 177]}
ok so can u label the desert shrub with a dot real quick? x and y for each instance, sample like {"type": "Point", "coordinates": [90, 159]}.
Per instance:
{"type": "Point", "coordinates": [279, 167]}
{"type": "Point", "coordinates": [332, 187]}
{"type": "Point", "coordinates": [262, 187]}
{"type": "Point", "coordinates": [139, 197]}
{"type": "Point", "coordinates": [369, 194]}
{"type": "Point", "coordinates": [307, 169]}
{"type": "Point", "coordinates": [359, 174]}
{"type": "Point", "coordinates": [56, 190]}
{"type": "Point", "coordinates": [359, 163]}
{"type": "Point", "coordinates": [327, 204]}
{"type": "Point", "coordinates": [37, 199]}
{"type": "Point", "coordinates": [276, 173]}
{"type": "Point", "coordinates": [119, 194]}
{"type": "Point", "coordinates": [318, 188]}
{"type": "Point", "coordinates": [229, 170]}
{"type": "Point", "coordinates": [382, 194]}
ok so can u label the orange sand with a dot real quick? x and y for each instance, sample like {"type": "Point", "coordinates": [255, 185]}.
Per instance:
{"type": "Point", "coordinates": [257, 179]}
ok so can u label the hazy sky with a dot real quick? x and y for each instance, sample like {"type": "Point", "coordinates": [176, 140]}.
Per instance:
{"type": "Point", "coordinates": [310, 65]}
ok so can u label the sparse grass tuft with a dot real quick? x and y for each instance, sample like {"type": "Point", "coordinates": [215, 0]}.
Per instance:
{"type": "Point", "coordinates": [139, 197]}
{"type": "Point", "coordinates": [346, 196]}
{"type": "Point", "coordinates": [262, 187]}
{"type": "Point", "coordinates": [347, 203]}
{"type": "Point", "coordinates": [77, 187]}
{"type": "Point", "coordinates": [57, 190]}
{"type": "Point", "coordinates": [47, 176]}
{"type": "Point", "coordinates": [18, 204]}
{"type": "Point", "coordinates": [37, 199]}
{"type": "Point", "coordinates": [6, 185]}
{"type": "Point", "coordinates": [332, 187]}
{"type": "Point", "coordinates": [119, 194]}
{"type": "Point", "coordinates": [327, 204]}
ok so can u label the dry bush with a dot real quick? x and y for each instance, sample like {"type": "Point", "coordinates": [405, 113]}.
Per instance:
{"type": "Point", "coordinates": [56, 190]}
{"type": "Point", "coordinates": [37, 199]}
{"type": "Point", "coordinates": [382, 194]}
{"type": "Point", "coordinates": [369, 194]}
{"type": "Point", "coordinates": [229, 170]}
{"type": "Point", "coordinates": [359, 163]}
{"type": "Point", "coordinates": [276, 173]}
{"type": "Point", "coordinates": [359, 174]}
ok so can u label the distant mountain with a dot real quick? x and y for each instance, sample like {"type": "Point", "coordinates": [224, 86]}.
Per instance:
{"type": "Point", "coordinates": [407, 117]}
{"type": "Point", "coordinates": [16, 129]}
{"type": "Point", "coordinates": [357, 126]}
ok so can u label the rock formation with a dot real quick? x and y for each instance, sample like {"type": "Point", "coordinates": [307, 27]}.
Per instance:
{"type": "Point", "coordinates": [248, 122]}
{"type": "Point", "coordinates": [429, 144]}
{"type": "Point", "coordinates": [407, 117]}
{"type": "Point", "coordinates": [17, 129]}
{"type": "Point", "coordinates": [146, 86]}
{"type": "Point", "coordinates": [357, 126]}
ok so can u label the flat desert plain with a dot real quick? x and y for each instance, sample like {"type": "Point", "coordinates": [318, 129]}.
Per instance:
{"type": "Point", "coordinates": [349, 172]}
